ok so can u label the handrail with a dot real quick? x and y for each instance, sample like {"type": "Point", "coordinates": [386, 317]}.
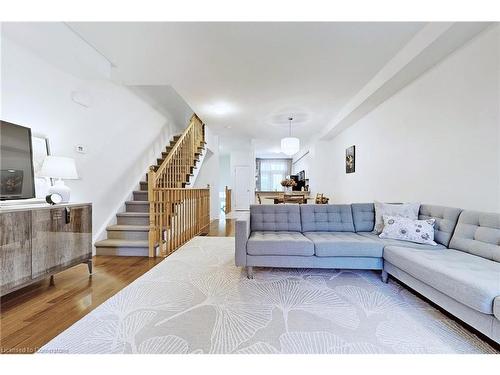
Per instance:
{"type": "Point", "coordinates": [195, 131]}
{"type": "Point", "coordinates": [195, 120]}
{"type": "Point", "coordinates": [173, 173]}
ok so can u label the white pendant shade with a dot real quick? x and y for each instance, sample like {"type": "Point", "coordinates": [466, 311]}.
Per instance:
{"type": "Point", "coordinates": [290, 145]}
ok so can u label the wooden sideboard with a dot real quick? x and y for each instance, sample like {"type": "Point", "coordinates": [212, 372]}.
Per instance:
{"type": "Point", "coordinates": [40, 240]}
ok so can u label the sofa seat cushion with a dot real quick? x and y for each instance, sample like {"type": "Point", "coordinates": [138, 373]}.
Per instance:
{"type": "Point", "coordinates": [392, 242]}
{"type": "Point", "coordinates": [469, 279]}
{"type": "Point", "coordinates": [279, 243]}
{"type": "Point", "coordinates": [344, 244]}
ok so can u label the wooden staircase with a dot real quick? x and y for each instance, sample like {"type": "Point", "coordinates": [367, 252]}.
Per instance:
{"type": "Point", "coordinates": [131, 233]}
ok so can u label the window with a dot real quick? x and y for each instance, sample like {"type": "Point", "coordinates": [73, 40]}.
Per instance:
{"type": "Point", "coordinates": [270, 173]}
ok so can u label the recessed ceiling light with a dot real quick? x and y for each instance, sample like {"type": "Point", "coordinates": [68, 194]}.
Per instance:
{"type": "Point", "coordinates": [220, 108]}
{"type": "Point", "coordinates": [228, 126]}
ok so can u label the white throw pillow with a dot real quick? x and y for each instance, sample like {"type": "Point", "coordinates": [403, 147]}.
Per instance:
{"type": "Point", "coordinates": [408, 210]}
{"type": "Point", "coordinates": [401, 228]}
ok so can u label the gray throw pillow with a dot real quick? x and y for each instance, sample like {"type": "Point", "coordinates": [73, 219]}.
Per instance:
{"type": "Point", "coordinates": [401, 228]}
{"type": "Point", "coordinates": [408, 210]}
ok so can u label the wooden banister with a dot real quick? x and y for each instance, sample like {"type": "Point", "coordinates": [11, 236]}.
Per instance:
{"type": "Point", "coordinates": [177, 214]}
{"type": "Point", "coordinates": [227, 206]}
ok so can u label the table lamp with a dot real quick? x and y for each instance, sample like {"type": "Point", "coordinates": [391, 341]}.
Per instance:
{"type": "Point", "coordinates": [60, 168]}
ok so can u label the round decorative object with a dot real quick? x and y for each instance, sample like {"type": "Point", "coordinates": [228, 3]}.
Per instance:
{"type": "Point", "coordinates": [61, 189]}
{"type": "Point", "coordinates": [53, 198]}
{"type": "Point", "coordinates": [290, 145]}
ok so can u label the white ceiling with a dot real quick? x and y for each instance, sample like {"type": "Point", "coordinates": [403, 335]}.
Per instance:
{"type": "Point", "coordinates": [245, 79]}
{"type": "Point", "coordinates": [167, 101]}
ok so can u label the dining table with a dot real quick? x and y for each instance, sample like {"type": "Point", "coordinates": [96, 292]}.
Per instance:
{"type": "Point", "coordinates": [290, 199]}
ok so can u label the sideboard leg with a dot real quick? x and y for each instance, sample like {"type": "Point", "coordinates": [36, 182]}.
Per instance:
{"type": "Point", "coordinates": [51, 282]}
{"type": "Point", "coordinates": [89, 265]}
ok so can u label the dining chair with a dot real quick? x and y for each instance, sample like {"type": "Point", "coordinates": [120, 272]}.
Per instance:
{"type": "Point", "coordinates": [321, 199]}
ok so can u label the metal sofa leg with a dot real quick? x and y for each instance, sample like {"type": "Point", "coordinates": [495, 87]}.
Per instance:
{"type": "Point", "coordinates": [385, 276]}
{"type": "Point", "coordinates": [249, 272]}
{"type": "Point", "coordinates": [89, 265]}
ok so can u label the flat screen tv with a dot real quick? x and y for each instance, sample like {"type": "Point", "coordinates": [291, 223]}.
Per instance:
{"type": "Point", "coordinates": [16, 162]}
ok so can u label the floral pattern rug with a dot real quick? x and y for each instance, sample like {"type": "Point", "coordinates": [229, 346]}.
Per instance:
{"type": "Point", "coordinates": [197, 301]}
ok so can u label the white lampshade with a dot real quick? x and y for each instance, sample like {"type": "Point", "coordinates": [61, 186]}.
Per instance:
{"type": "Point", "coordinates": [59, 167]}
{"type": "Point", "coordinates": [290, 145]}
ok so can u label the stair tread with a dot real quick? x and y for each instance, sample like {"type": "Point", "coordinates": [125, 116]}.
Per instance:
{"type": "Point", "coordinates": [125, 227]}
{"type": "Point", "coordinates": [136, 202]}
{"type": "Point", "coordinates": [133, 214]}
{"type": "Point", "coordinates": [121, 243]}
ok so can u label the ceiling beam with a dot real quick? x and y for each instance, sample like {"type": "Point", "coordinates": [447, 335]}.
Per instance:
{"type": "Point", "coordinates": [427, 48]}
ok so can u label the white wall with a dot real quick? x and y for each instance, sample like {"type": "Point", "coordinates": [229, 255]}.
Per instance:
{"type": "Point", "coordinates": [209, 172]}
{"type": "Point", "coordinates": [122, 133]}
{"type": "Point", "coordinates": [436, 141]}
{"type": "Point", "coordinates": [224, 172]}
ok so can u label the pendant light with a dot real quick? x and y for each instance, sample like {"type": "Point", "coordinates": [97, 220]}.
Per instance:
{"type": "Point", "coordinates": [290, 145]}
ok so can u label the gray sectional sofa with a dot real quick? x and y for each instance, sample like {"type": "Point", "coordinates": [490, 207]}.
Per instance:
{"type": "Point", "coordinates": [461, 274]}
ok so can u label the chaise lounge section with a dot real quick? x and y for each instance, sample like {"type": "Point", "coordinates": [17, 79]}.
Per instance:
{"type": "Point", "coordinates": [463, 279]}
{"type": "Point", "coordinates": [461, 273]}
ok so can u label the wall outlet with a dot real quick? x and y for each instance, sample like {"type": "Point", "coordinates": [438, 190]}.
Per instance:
{"type": "Point", "coordinates": [81, 149]}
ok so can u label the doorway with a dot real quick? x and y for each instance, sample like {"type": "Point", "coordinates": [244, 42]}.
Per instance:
{"type": "Point", "coordinates": [241, 187]}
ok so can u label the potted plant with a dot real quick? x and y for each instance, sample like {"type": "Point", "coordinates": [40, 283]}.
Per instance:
{"type": "Point", "coordinates": [288, 183]}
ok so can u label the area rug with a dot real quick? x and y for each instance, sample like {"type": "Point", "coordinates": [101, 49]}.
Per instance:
{"type": "Point", "coordinates": [197, 301]}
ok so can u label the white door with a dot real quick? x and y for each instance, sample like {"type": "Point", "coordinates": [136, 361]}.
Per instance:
{"type": "Point", "coordinates": [241, 187]}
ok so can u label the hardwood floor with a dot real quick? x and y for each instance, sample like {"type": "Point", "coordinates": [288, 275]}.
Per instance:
{"type": "Point", "coordinates": [32, 316]}
{"type": "Point", "coordinates": [222, 228]}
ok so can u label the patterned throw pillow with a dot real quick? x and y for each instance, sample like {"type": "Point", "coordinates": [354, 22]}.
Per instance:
{"type": "Point", "coordinates": [401, 228]}
{"type": "Point", "coordinates": [408, 210]}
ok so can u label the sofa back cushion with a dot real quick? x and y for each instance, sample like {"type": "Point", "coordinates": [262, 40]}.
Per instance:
{"type": "Point", "coordinates": [446, 221]}
{"type": "Point", "coordinates": [478, 233]}
{"type": "Point", "coordinates": [275, 217]}
{"type": "Point", "coordinates": [363, 215]}
{"type": "Point", "coordinates": [326, 218]}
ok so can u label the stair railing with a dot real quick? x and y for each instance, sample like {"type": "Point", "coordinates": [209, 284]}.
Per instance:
{"type": "Point", "coordinates": [177, 214]}
{"type": "Point", "coordinates": [227, 205]}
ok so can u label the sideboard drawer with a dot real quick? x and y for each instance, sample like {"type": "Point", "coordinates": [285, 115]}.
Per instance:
{"type": "Point", "coordinates": [15, 249]}
{"type": "Point", "coordinates": [58, 240]}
